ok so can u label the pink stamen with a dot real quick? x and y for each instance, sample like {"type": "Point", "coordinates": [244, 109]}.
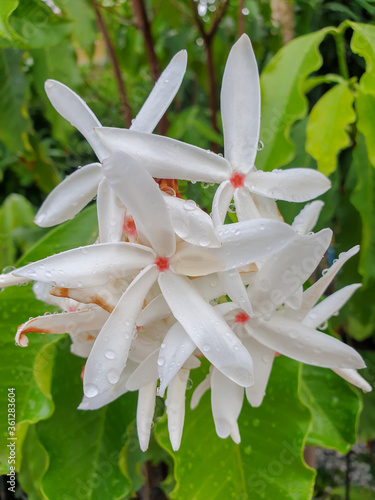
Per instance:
{"type": "Point", "coordinates": [237, 180]}
{"type": "Point", "coordinates": [129, 225]}
{"type": "Point", "coordinates": [242, 318]}
{"type": "Point", "coordinates": [162, 263]}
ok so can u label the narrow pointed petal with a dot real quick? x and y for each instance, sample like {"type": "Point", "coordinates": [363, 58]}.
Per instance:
{"type": "Point", "coordinates": [111, 214]}
{"type": "Point", "coordinates": [145, 413]}
{"type": "Point", "coordinates": [157, 309]}
{"type": "Point", "coordinates": [145, 373]}
{"type": "Point", "coordinates": [9, 279]}
{"type": "Point", "coordinates": [161, 95]}
{"type": "Point", "coordinates": [235, 289]}
{"type": "Point", "coordinates": [92, 265]}
{"type": "Point", "coordinates": [207, 329]}
{"type": "Point", "coordinates": [70, 196]}
{"type": "Point", "coordinates": [142, 197]}
{"type": "Point", "coordinates": [113, 393]}
{"type": "Point", "coordinates": [267, 207]}
{"type": "Point", "coordinates": [167, 158]}
{"type": "Point", "coordinates": [240, 106]}
{"type": "Point", "coordinates": [74, 109]}
{"type": "Point", "coordinates": [176, 407]}
{"type": "Point", "coordinates": [305, 221]}
{"type": "Point", "coordinates": [314, 292]}
{"type": "Point", "coordinates": [304, 344]}
{"type": "Point", "coordinates": [199, 391]}
{"type": "Point", "coordinates": [293, 184]}
{"type": "Point", "coordinates": [294, 301]}
{"type": "Point", "coordinates": [110, 352]}
{"type": "Point", "coordinates": [263, 358]}
{"type": "Point", "coordinates": [226, 402]}
{"type": "Point", "coordinates": [73, 322]}
{"type": "Point", "coordinates": [329, 306]}
{"type": "Point", "coordinates": [245, 205]}
{"type": "Point", "coordinates": [353, 377]}
{"type": "Point", "coordinates": [176, 348]}
{"type": "Point", "coordinates": [283, 273]}
{"type": "Point", "coordinates": [190, 222]}
{"type": "Point", "coordinates": [220, 204]}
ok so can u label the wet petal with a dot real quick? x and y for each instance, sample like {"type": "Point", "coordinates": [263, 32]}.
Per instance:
{"type": "Point", "coordinates": [145, 413]}
{"type": "Point", "coordinates": [353, 377]}
{"type": "Point", "coordinates": [240, 106]}
{"type": "Point", "coordinates": [245, 205]}
{"type": "Point", "coordinates": [235, 289]}
{"type": "Point", "coordinates": [207, 329]}
{"type": "Point", "coordinates": [128, 179]}
{"type": "Point", "coordinates": [175, 403]}
{"type": "Point", "coordinates": [307, 218]}
{"type": "Point", "coordinates": [226, 402]}
{"type": "Point", "coordinates": [110, 352]}
{"type": "Point", "coordinates": [89, 266]}
{"type": "Point", "coordinates": [111, 214]}
{"type": "Point", "coordinates": [221, 202]}
{"type": "Point", "coordinates": [267, 207]}
{"type": "Point", "coordinates": [145, 373]}
{"type": "Point", "coordinates": [294, 301]}
{"type": "Point", "coordinates": [166, 158]}
{"type": "Point", "coordinates": [304, 344]}
{"type": "Point", "coordinates": [161, 95]}
{"type": "Point", "coordinates": [293, 184]}
{"type": "Point", "coordinates": [9, 279]}
{"type": "Point", "coordinates": [74, 109]}
{"type": "Point", "coordinates": [70, 196]}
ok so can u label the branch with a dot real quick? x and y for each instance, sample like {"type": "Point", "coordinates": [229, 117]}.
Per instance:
{"type": "Point", "coordinates": [126, 110]}
{"type": "Point", "coordinates": [216, 22]}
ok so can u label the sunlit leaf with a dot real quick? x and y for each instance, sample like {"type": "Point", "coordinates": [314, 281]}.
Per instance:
{"type": "Point", "coordinates": [365, 107]}
{"type": "Point", "coordinates": [363, 44]}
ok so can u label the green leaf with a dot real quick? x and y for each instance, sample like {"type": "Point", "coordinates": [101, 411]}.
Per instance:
{"type": "Point", "coordinates": [83, 446]}
{"type": "Point", "coordinates": [363, 44]}
{"type": "Point", "coordinates": [283, 100]}
{"type": "Point", "coordinates": [15, 212]}
{"type": "Point", "coordinates": [6, 9]}
{"type": "Point", "coordinates": [334, 406]}
{"type": "Point", "coordinates": [363, 198]}
{"type": "Point", "coordinates": [365, 107]}
{"type": "Point", "coordinates": [14, 121]}
{"type": "Point", "coordinates": [268, 462]}
{"type": "Point", "coordinates": [327, 128]}
{"type": "Point", "coordinates": [366, 429]}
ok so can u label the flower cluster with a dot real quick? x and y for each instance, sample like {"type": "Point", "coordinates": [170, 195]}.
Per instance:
{"type": "Point", "coordinates": [166, 284]}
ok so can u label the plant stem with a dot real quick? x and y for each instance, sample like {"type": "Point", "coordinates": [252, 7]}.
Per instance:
{"type": "Point", "coordinates": [125, 106]}
{"type": "Point", "coordinates": [340, 45]}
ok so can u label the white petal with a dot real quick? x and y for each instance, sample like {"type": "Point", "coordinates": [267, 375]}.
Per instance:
{"type": "Point", "coordinates": [226, 402]}
{"type": "Point", "coordinates": [199, 391]}
{"type": "Point", "coordinates": [145, 373]}
{"type": "Point", "coordinates": [240, 106]}
{"type": "Point", "coordinates": [110, 352]}
{"type": "Point", "coordinates": [293, 184]}
{"type": "Point", "coordinates": [209, 287]}
{"type": "Point", "coordinates": [176, 407]}
{"type": "Point", "coordinates": [304, 344]}
{"type": "Point", "coordinates": [263, 360]}
{"type": "Point", "coordinates": [353, 377]}
{"type": "Point", "coordinates": [190, 222]}
{"type": "Point", "coordinates": [221, 202]}
{"type": "Point", "coordinates": [235, 289]}
{"type": "Point", "coordinates": [145, 413]}
{"type": "Point", "coordinates": [314, 292]}
{"type": "Point", "coordinates": [9, 279]}
{"type": "Point", "coordinates": [42, 292]}
{"type": "Point", "coordinates": [157, 309]}
{"type": "Point", "coordinates": [142, 197]}
{"type": "Point", "coordinates": [329, 306]}
{"type": "Point", "coordinates": [176, 348]}
{"type": "Point", "coordinates": [111, 214]}
{"type": "Point", "coordinates": [267, 207]}
{"type": "Point", "coordinates": [70, 196]}
{"type": "Point", "coordinates": [281, 274]}
{"type": "Point", "coordinates": [142, 347]}
{"type": "Point", "coordinates": [294, 301]}
{"type": "Point", "coordinates": [71, 107]}
{"type": "Point", "coordinates": [207, 329]}
{"type": "Point", "coordinates": [308, 217]}
{"type": "Point", "coordinates": [245, 205]}
{"type": "Point", "coordinates": [89, 266]}
{"type": "Point", "coordinates": [113, 393]}
{"type": "Point", "coordinates": [161, 95]}
{"type": "Point", "coordinates": [166, 158]}
{"type": "Point", "coordinates": [73, 322]}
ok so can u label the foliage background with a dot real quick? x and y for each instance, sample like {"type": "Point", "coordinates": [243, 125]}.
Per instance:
{"type": "Point", "coordinates": [318, 111]}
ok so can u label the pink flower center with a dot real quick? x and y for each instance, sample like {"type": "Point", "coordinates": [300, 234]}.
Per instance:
{"type": "Point", "coordinates": [242, 318]}
{"type": "Point", "coordinates": [162, 263]}
{"type": "Point", "coordinates": [237, 179]}
{"type": "Point", "coordinates": [129, 225]}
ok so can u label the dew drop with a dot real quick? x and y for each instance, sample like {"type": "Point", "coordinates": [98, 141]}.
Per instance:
{"type": "Point", "coordinates": [110, 354]}
{"type": "Point", "coordinates": [206, 348]}
{"type": "Point", "coordinates": [260, 143]}
{"type": "Point", "coordinates": [91, 390]}
{"type": "Point", "coordinates": [113, 376]}
{"type": "Point", "coordinates": [160, 361]}
{"type": "Point", "coordinates": [190, 205]}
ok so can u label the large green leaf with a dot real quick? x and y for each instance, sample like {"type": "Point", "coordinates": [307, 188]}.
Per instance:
{"type": "Point", "coordinates": [14, 121]}
{"type": "Point", "coordinates": [327, 128]}
{"type": "Point", "coordinates": [363, 44]}
{"type": "Point", "coordinates": [365, 107]}
{"type": "Point", "coordinates": [283, 99]}
{"type": "Point", "coordinates": [83, 446]}
{"type": "Point", "coordinates": [6, 9]}
{"type": "Point", "coordinates": [15, 212]}
{"type": "Point", "coordinates": [334, 406]}
{"type": "Point", "coordinates": [366, 429]}
{"type": "Point", "coordinates": [268, 462]}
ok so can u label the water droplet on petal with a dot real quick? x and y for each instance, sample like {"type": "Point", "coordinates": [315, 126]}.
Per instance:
{"type": "Point", "coordinates": [91, 390]}
{"type": "Point", "coordinates": [110, 354]}
{"type": "Point", "coordinates": [113, 376]}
